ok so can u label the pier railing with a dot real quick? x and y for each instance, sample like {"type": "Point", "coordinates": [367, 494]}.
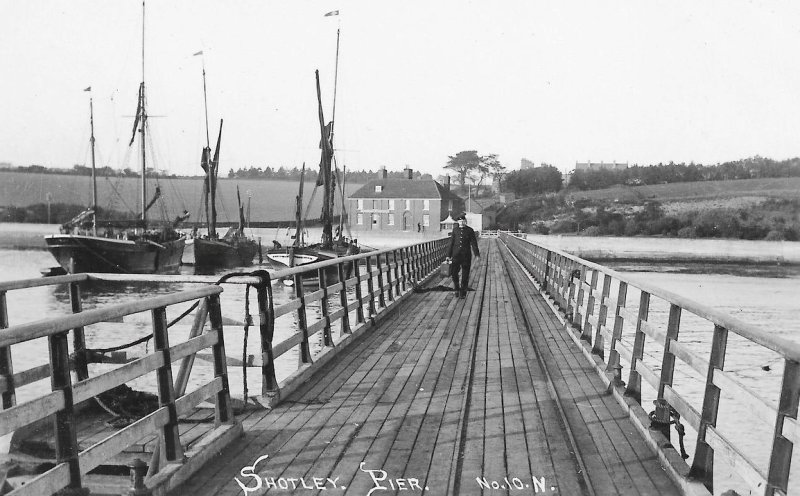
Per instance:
{"type": "Point", "coordinates": [680, 349]}
{"type": "Point", "coordinates": [72, 463]}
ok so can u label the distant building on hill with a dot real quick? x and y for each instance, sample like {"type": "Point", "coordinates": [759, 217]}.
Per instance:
{"type": "Point", "coordinates": [389, 204]}
{"type": "Point", "coordinates": [526, 164]}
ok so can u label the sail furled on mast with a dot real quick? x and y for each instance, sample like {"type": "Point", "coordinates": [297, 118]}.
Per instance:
{"type": "Point", "coordinates": [138, 117]}
{"type": "Point", "coordinates": [326, 147]}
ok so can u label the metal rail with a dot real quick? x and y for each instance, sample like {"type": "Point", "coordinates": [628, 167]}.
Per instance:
{"type": "Point", "coordinates": [600, 309]}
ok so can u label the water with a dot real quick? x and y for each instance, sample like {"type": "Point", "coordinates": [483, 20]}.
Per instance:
{"type": "Point", "coordinates": [32, 304]}
{"type": "Point", "coordinates": [765, 296]}
{"type": "Point", "coordinates": [761, 295]}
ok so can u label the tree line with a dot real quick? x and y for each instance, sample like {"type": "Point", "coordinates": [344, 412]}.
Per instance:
{"type": "Point", "coordinates": [749, 168]}
{"type": "Point", "coordinates": [293, 174]}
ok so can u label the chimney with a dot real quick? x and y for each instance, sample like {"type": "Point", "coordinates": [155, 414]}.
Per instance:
{"type": "Point", "coordinates": [409, 172]}
{"type": "Point", "coordinates": [383, 173]}
{"type": "Point", "coordinates": [447, 183]}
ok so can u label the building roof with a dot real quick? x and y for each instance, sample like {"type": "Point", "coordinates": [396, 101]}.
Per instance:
{"type": "Point", "coordinates": [424, 189]}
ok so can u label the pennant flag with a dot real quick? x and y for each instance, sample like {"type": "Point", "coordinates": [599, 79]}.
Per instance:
{"type": "Point", "coordinates": [198, 53]}
{"type": "Point", "coordinates": [332, 13]}
{"type": "Point", "coordinates": [88, 89]}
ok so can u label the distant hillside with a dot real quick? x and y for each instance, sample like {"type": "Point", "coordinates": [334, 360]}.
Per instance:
{"type": "Point", "coordinates": [739, 209]}
{"type": "Point", "coordinates": [271, 200]}
{"type": "Point", "coordinates": [775, 187]}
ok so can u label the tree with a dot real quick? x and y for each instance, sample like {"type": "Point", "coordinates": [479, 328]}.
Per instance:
{"type": "Point", "coordinates": [528, 182]}
{"type": "Point", "coordinates": [487, 166]}
{"type": "Point", "coordinates": [464, 163]}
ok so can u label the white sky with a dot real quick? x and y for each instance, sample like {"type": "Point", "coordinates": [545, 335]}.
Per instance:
{"type": "Point", "coordinates": [556, 82]}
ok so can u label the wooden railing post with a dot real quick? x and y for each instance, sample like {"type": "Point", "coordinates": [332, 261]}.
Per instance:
{"type": "Point", "coordinates": [577, 315]}
{"type": "Point", "coordinates": [661, 418]}
{"type": "Point", "coordinates": [172, 451]}
{"type": "Point", "coordinates": [780, 462]}
{"type": "Point", "coordinates": [64, 420]}
{"type": "Point", "coordinates": [613, 355]}
{"type": "Point", "coordinates": [223, 411]}
{"type": "Point", "coordinates": [381, 299]}
{"type": "Point", "coordinates": [396, 263]}
{"type": "Point", "coordinates": [403, 267]}
{"type": "Point", "coordinates": [703, 464]}
{"type": "Point", "coordinates": [546, 277]}
{"type": "Point", "coordinates": [370, 288]}
{"type": "Point", "coordinates": [359, 297]}
{"type": "Point", "coordinates": [78, 336]}
{"type": "Point", "coordinates": [266, 327]}
{"type": "Point", "coordinates": [345, 329]}
{"type": "Point", "coordinates": [389, 288]}
{"type": "Point", "coordinates": [586, 326]}
{"type": "Point", "coordinates": [8, 396]}
{"type": "Point", "coordinates": [327, 339]}
{"type": "Point", "coordinates": [598, 348]}
{"type": "Point", "coordinates": [634, 388]}
{"type": "Point", "coordinates": [302, 322]}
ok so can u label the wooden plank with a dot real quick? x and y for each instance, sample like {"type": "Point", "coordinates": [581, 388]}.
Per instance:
{"type": "Point", "coordinates": [29, 376]}
{"type": "Point", "coordinates": [688, 357]}
{"type": "Point", "coordinates": [115, 443]}
{"type": "Point", "coordinates": [686, 411]}
{"type": "Point", "coordinates": [93, 386]}
{"type": "Point", "coordinates": [287, 344]}
{"type": "Point", "coordinates": [744, 397]}
{"type": "Point", "coordinates": [571, 362]}
{"type": "Point", "coordinates": [54, 325]}
{"type": "Point", "coordinates": [647, 374]}
{"type": "Point", "coordinates": [23, 414]}
{"type": "Point", "coordinates": [49, 482]}
{"type": "Point", "coordinates": [289, 307]}
{"type": "Point", "coordinates": [295, 415]}
{"type": "Point", "coordinates": [741, 466]}
{"type": "Point", "coordinates": [187, 402]}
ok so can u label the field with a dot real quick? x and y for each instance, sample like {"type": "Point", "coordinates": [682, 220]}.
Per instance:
{"type": "Point", "coordinates": [271, 200]}
{"type": "Point", "coordinates": [774, 187]}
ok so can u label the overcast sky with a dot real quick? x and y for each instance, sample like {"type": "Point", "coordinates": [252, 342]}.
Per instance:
{"type": "Point", "coordinates": [557, 82]}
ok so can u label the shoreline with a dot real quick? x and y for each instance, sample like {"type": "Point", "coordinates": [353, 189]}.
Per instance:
{"type": "Point", "coordinates": [597, 249]}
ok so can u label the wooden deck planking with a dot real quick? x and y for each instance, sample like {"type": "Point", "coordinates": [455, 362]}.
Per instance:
{"type": "Point", "coordinates": [607, 446]}
{"type": "Point", "coordinates": [447, 390]}
{"type": "Point", "coordinates": [334, 381]}
{"type": "Point", "coordinates": [342, 415]}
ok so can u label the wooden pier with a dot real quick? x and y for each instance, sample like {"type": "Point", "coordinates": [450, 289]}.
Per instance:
{"type": "Point", "coordinates": [539, 382]}
{"type": "Point", "coordinates": [456, 396]}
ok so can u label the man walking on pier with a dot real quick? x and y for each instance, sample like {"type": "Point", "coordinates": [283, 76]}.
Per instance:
{"type": "Point", "coordinates": [462, 243]}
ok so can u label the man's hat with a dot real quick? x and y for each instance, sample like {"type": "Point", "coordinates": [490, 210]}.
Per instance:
{"type": "Point", "coordinates": [462, 216]}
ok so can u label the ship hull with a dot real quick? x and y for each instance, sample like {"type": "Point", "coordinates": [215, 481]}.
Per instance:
{"type": "Point", "coordinates": [77, 253]}
{"type": "Point", "coordinates": [224, 253]}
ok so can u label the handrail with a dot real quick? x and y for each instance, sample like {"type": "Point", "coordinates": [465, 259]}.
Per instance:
{"type": "Point", "coordinates": [789, 349]}
{"type": "Point", "coordinates": [62, 402]}
{"type": "Point", "coordinates": [48, 327]}
{"type": "Point", "coordinates": [582, 293]}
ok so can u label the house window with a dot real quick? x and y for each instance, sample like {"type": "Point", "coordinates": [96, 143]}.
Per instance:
{"type": "Point", "coordinates": [391, 204]}
{"type": "Point", "coordinates": [426, 204]}
{"type": "Point", "coordinates": [378, 188]}
{"type": "Point", "coordinates": [360, 205]}
{"type": "Point", "coordinates": [391, 220]}
{"type": "Point", "coordinates": [408, 204]}
{"type": "Point", "coordinates": [360, 217]}
{"type": "Point", "coordinates": [376, 204]}
{"type": "Point", "coordinates": [426, 220]}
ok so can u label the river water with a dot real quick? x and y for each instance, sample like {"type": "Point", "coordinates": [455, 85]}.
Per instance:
{"type": "Point", "coordinates": [766, 296]}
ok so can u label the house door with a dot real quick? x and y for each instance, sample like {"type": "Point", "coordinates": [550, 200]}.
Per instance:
{"type": "Point", "coordinates": [406, 221]}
